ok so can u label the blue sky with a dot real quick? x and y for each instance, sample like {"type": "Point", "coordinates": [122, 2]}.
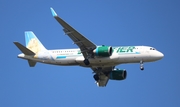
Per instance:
{"type": "Point", "coordinates": [120, 22]}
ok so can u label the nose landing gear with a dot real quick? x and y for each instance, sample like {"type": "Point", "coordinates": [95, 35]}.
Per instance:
{"type": "Point", "coordinates": [141, 65]}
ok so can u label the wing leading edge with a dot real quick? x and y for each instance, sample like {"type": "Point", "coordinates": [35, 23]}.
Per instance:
{"type": "Point", "coordinates": [85, 45]}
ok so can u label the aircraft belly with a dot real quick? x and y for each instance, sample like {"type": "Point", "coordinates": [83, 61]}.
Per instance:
{"type": "Point", "coordinates": [66, 61]}
{"type": "Point", "coordinates": [128, 58]}
{"type": "Point", "coordinates": [133, 58]}
{"type": "Point", "coordinates": [102, 61]}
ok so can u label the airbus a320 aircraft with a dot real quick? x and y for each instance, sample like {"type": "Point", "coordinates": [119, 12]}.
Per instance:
{"type": "Point", "coordinates": [101, 59]}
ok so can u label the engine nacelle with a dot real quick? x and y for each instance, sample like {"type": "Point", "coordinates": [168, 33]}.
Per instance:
{"type": "Point", "coordinates": [103, 51]}
{"type": "Point", "coordinates": [118, 74]}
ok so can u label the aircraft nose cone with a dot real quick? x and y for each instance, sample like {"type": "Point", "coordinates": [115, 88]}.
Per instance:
{"type": "Point", "coordinates": [160, 55]}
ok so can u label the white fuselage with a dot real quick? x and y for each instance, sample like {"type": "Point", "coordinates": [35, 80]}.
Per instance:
{"type": "Point", "coordinates": [69, 57]}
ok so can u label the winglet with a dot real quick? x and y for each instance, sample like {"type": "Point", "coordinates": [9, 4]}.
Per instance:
{"type": "Point", "coordinates": [53, 12]}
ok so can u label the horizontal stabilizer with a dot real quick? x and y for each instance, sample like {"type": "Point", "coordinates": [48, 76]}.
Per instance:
{"type": "Point", "coordinates": [23, 49]}
{"type": "Point", "coordinates": [31, 63]}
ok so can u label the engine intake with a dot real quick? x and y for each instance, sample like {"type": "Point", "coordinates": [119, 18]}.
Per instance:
{"type": "Point", "coordinates": [118, 74]}
{"type": "Point", "coordinates": [103, 51]}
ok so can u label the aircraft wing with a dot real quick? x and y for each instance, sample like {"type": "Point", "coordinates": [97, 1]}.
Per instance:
{"type": "Point", "coordinates": [85, 45]}
{"type": "Point", "coordinates": [103, 75]}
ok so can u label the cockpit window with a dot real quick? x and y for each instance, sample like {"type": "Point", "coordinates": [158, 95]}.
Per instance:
{"type": "Point", "coordinates": [152, 49]}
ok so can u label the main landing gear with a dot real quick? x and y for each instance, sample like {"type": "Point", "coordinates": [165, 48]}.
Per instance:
{"type": "Point", "coordinates": [96, 77]}
{"type": "Point", "coordinates": [86, 62]}
{"type": "Point", "coordinates": [141, 65]}
{"type": "Point", "coordinates": [97, 74]}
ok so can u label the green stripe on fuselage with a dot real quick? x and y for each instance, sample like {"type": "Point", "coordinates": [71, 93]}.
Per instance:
{"type": "Point", "coordinates": [125, 49]}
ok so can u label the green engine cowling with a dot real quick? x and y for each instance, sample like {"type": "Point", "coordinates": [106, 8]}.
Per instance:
{"type": "Point", "coordinates": [118, 74]}
{"type": "Point", "coordinates": [103, 51]}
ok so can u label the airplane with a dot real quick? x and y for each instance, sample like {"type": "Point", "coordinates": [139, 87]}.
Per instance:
{"type": "Point", "coordinates": [101, 59]}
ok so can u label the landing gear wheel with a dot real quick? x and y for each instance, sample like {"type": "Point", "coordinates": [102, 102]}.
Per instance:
{"type": "Point", "coordinates": [142, 68]}
{"type": "Point", "coordinates": [141, 65]}
{"type": "Point", "coordinates": [86, 62]}
{"type": "Point", "coordinates": [96, 77]}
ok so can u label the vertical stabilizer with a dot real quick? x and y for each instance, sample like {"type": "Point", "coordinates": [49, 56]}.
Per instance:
{"type": "Point", "coordinates": [33, 43]}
